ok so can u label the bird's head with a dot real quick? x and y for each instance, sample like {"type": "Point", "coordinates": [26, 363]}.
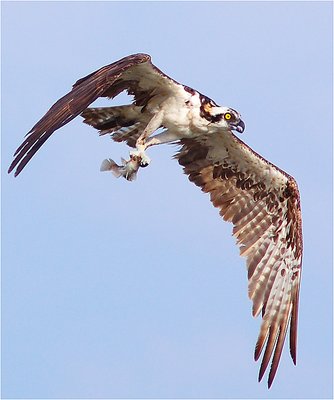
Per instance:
{"type": "Point", "coordinates": [224, 117]}
{"type": "Point", "coordinates": [227, 118]}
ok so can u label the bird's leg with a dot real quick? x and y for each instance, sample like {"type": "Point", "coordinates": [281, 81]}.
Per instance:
{"type": "Point", "coordinates": [138, 157]}
{"type": "Point", "coordinates": [129, 168]}
{"type": "Point", "coordinates": [141, 143]}
{"type": "Point", "coordinates": [164, 137]}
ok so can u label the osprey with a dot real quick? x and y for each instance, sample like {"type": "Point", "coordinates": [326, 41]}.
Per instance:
{"type": "Point", "coordinates": [261, 200]}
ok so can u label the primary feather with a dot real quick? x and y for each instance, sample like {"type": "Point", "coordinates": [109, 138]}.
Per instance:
{"type": "Point", "coordinates": [260, 200]}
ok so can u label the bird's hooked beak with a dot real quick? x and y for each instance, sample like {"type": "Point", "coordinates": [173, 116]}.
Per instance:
{"type": "Point", "coordinates": [239, 127]}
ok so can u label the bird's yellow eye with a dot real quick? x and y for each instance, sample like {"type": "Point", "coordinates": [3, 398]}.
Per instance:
{"type": "Point", "coordinates": [228, 116]}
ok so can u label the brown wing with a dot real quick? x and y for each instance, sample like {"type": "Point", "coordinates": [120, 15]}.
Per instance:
{"type": "Point", "coordinates": [134, 73]}
{"type": "Point", "coordinates": [263, 204]}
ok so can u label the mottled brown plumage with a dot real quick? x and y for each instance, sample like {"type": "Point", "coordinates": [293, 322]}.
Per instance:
{"type": "Point", "coordinates": [102, 83]}
{"type": "Point", "coordinates": [267, 225]}
{"type": "Point", "coordinates": [259, 199]}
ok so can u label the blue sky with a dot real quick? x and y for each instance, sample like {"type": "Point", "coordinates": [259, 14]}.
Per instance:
{"type": "Point", "coordinates": [113, 289]}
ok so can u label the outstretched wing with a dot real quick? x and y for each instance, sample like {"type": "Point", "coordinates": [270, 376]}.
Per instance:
{"type": "Point", "coordinates": [263, 204]}
{"type": "Point", "coordinates": [134, 73]}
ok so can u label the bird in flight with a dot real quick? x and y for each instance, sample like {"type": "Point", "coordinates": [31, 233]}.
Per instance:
{"type": "Point", "coordinates": [261, 200]}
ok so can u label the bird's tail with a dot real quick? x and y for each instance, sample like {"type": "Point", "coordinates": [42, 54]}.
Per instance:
{"type": "Point", "coordinates": [123, 123]}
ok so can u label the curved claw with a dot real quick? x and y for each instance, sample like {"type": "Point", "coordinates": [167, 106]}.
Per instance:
{"type": "Point", "coordinates": [140, 155]}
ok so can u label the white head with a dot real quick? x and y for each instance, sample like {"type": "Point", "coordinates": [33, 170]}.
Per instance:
{"type": "Point", "coordinates": [221, 117]}
{"type": "Point", "coordinates": [225, 117]}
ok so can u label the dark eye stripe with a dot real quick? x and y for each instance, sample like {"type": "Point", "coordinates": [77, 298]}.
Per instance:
{"type": "Point", "coordinates": [216, 118]}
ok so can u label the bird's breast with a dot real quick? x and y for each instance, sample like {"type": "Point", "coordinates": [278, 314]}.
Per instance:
{"type": "Point", "coordinates": [183, 116]}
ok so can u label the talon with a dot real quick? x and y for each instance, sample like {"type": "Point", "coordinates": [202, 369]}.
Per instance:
{"type": "Point", "coordinates": [141, 156]}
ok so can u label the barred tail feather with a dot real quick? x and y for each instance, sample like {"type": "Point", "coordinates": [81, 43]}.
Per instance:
{"type": "Point", "coordinates": [123, 123]}
{"type": "Point", "coordinates": [129, 134]}
{"type": "Point", "coordinates": [103, 118]}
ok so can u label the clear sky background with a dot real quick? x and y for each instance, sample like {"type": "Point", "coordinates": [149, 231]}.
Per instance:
{"type": "Point", "coordinates": [113, 289]}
